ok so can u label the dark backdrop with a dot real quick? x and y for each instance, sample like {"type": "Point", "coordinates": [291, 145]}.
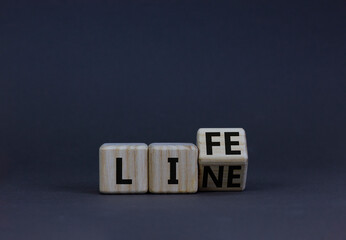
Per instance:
{"type": "Point", "coordinates": [76, 75]}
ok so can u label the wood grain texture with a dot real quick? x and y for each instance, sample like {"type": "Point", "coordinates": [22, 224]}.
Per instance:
{"type": "Point", "coordinates": [225, 148]}
{"type": "Point", "coordinates": [160, 171]}
{"type": "Point", "coordinates": [237, 177]}
{"type": "Point", "coordinates": [134, 158]}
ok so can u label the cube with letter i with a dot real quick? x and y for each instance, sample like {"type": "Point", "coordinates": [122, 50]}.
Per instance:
{"type": "Point", "coordinates": [223, 159]}
{"type": "Point", "coordinates": [173, 168]}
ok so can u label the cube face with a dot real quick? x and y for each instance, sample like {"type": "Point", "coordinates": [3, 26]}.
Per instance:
{"type": "Point", "coordinates": [173, 168]}
{"type": "Point", "coordinates": [223, 159]}
{"type": "Point", "coordinates": [222, 177]}
{"type": "Point", "coordinates": [222, 145]}
{"type": "Point", "coordinates": [123, 168]}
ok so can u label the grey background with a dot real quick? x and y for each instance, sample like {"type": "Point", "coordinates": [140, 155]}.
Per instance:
{"type": "Point", "coordinates": [76, 75]}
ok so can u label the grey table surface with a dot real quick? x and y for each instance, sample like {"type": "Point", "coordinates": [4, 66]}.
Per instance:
{"type": "Point", "coordinates": [297, 203]}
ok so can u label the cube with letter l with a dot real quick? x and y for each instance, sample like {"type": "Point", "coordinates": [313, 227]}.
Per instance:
{"type": "Point", "coordinates": [123, 168]}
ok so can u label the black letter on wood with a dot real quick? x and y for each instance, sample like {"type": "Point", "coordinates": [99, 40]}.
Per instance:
{"type": "Point", "coordinates": [232, 176]}
{"type": "Point", "coordinates": [229, 143]}
{"type": "Point", "coordinates": [173, 171]}
{"type": "Point", "coordinates": [218, 182]}
{"type": "Point", "coordinates": [210, 144]}
{"type": "Point", "coordinates": [120, 179]}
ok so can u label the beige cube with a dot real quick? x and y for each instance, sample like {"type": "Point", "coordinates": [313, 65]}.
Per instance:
{"type": "Point", "coordinates": [223, 159]}
{"type": "Point", "coordinates": [123, 168]}
{"type": "Point", "coordinates": [173, 168]}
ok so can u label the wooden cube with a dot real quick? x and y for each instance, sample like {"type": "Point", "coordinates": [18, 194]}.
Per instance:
{"type": "Point", "coordinates": [173, 168]}
{"type": "Point", "coordinates": [223, 159]}
{"type": "Point", "coordinates": [123, 168]}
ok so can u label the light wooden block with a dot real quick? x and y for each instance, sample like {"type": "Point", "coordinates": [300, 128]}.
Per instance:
{"type": "Point", "coordinates": [173, 168]}
{"type": "Point", "coordinates": [123, 168]}
{"type": "Point", "coordinates": [223, 159]}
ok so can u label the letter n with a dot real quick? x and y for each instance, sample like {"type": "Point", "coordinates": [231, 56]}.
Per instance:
{"type": "Point", "coordinates": [217, 181]}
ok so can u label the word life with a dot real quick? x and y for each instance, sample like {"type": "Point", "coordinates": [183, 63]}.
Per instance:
{"type": "Point", "coordinates": [218, 163]}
